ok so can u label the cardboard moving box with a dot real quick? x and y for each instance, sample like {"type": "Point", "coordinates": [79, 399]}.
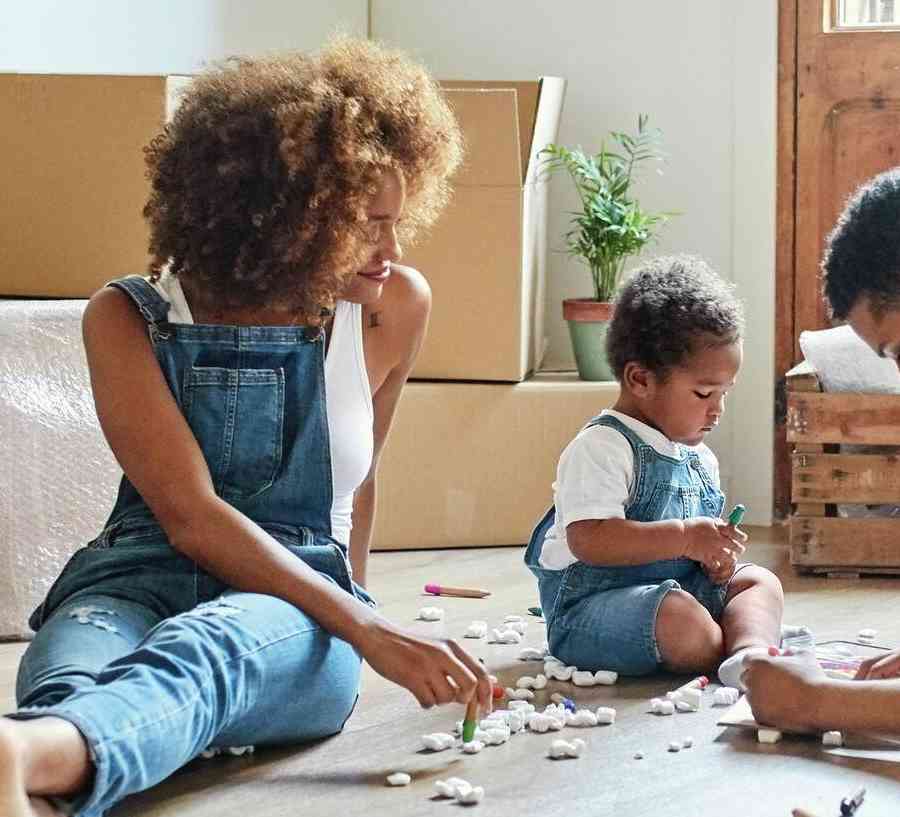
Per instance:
{"type": "Point", "coordinates": [486, 257]}
{"type": "Point", "coordinates": [472, 464]}
{"type": "Point", "coordinates": [71, 152]}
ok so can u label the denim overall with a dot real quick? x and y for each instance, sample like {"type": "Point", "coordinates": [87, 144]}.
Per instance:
{"type": "Point", "coordinates": [601, 617]}
{"type": "Point", "coordinates": [150, 657]}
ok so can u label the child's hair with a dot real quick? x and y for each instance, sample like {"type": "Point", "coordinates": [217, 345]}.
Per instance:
{"type": "Point", "coordinates": [260, 183]}
{"type": "Point", "coordinates": [666, 309]}
{"type": "Point", "coordinates": [862, 253]}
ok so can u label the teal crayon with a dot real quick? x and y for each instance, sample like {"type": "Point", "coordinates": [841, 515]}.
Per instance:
{"type": "Point", "coordinates": [737, 515]}
{"type": "Point", "coordinates": [470, 721]}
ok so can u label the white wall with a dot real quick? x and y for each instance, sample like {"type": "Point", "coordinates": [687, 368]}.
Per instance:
{"type": "Point", "coordinates": [703, 69]}
{"type": "Point", "coordinates": [705, 72]}
{"type": "Point", "coordinates": [161, 36]}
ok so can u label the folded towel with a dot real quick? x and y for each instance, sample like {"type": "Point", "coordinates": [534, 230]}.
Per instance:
{"type": "Point", "coordinates": [843, 362]}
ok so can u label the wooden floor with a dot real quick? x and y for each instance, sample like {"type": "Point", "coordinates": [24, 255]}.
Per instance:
{"type": "Point", "coordinates": [725, 772]}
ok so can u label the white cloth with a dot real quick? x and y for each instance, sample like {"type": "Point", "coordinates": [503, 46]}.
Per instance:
{"type": "Point", "coordinates": [844, 362]}
{"type": "Point", "coordinates": [347, 394]}
{"type": "Point", "coordinates": [595, 478]}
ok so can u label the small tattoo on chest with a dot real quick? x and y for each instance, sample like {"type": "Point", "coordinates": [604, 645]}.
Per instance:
{"type": "Point", "coordinates": [374, 320]}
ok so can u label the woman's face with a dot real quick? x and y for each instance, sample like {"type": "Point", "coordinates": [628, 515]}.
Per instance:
{"type": "Point", "coordinates": [383, 214]}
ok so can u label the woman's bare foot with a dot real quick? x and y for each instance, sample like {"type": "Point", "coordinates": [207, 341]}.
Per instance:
{"type": "Point", "coordinates": [14, 800]}
{"type": "Point", "coordinates": [41, 756]}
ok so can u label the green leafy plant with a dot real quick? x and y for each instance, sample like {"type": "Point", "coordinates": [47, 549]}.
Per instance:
{"type": "Point", "coordinates": [611, 225]}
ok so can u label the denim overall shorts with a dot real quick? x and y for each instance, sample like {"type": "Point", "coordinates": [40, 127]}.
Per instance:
{"type": "Point", "coordinates": [601, 617]}
{"type": "Point", "coordinates": [254, 397]}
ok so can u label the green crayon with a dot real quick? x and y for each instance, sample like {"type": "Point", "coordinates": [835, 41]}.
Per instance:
{"type": "Point", "coordinates": [736, 515]}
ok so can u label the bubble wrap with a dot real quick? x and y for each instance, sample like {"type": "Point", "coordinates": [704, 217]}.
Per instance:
{"type": "Point", "coordinates": [58, 478]}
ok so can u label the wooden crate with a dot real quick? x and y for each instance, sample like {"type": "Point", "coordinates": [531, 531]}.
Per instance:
{"type": "Point", "coordinates": [822, 477]}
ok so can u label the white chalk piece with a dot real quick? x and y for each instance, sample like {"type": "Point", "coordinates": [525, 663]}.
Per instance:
{"type": "Point", "coordinates": [469, 796]}
{"type": "Point", "coordinates": [583, 678]}
{"type": "Point", "coordinates": [237, 751]}
{"type": "Point", "coordinates": [505, 636]}
{"type": "Point", "coordinates": [510, 618]}
{"type": "Point", "coordinates": [398, 779]}
{"type": "Point", "coordinates": [519, 694]}
{"type": "Point", "coordinates": [583, 717]}
{"type": "Point", "coordinates": [558, 671]}
{"type": "Point", "coordinates": [447, 788]}
{"type": "Point", "coordinates": [687, 742]}
{"type": "Point", "coordinates": [606, 715]}
{"type": "Point", "coordinates": [867, 634]}
{"type": "Point", "coordinates": [521, 706]}
{"type": "Point", "coordinates": [473, 747]}
{"type": "Point", "coordinates": [606, 677]}
{"type": "Point", "coordinates": [430, 614]}
{"type": "Point", "coordinates": [477, 629]}
{"type": "Point", "coordinates": [562, 748]}
{"type": "Point", "coordinates": [516, 626]}
{"type": "Point", "coordinates": [531, 654]}
{"type": "Point", "coordinates": [525, 682]}
{"type": "Point", "coordinates": [540, 681]}
{"type": "Point", "coordinates": [768, 735]}
{"type": "Point", "coordinates": [726, 696]}
{"type": "Point", "coordinates": [438, 741]}
{"type": "Point", "coordinates": [638, 755]}
{"type": "Point", "coordinates": [832, 738]}
{"type": "Point", "coordinates": [660, 707]}
{"type": "Point", "coordinates": [675, 746]}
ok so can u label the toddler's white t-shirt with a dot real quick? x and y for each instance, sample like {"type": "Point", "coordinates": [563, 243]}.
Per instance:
{"type": "Point", "coordinates": [595, 477]}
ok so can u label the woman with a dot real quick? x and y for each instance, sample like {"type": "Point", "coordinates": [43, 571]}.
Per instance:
{"type": "Point", "coordinates": [217, 608]}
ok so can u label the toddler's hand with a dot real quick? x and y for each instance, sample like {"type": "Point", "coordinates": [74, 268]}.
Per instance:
{"type": "Point", "coordinates": [715, 544]}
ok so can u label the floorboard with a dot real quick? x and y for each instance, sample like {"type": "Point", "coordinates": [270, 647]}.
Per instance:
{"type": "Point", "coordinates": [725, 771]}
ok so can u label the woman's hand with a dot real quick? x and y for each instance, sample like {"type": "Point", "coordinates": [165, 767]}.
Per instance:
{"type": "Point", "coordinates": [435, 671]}
{"type": "Point", "coordinates": [715, 544]}
{"type": "Point", "coordinates": [782, 689]}
{"type": "Point", "coordinates": [879, 666]}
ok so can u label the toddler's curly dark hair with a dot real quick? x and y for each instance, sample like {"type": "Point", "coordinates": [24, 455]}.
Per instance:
{"type": "Point", "coordinates": [862, 253]}
{"type": "Point", "coordinates": [666, 309]}
{"type": "Point", "coordinates": [259, 185]}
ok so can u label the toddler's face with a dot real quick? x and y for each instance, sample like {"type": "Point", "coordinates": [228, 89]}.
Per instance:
{"type": "Point", "coordinates": [688, 405]}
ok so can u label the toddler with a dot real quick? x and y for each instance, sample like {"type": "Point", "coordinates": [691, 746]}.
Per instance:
{"type": "Point", "coordinates": [636, 569]}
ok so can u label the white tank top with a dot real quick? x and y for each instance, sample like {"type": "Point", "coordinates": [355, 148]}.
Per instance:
{"type": "Point", "coordinates": [347, 394]}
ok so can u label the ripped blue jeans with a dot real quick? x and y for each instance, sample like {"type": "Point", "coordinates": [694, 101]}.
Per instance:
{"type": "Point", "coordinates": [150, 687]}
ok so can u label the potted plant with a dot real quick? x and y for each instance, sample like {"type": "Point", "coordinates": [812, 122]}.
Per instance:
{"type": "Point", "coordinates": [610, 227]}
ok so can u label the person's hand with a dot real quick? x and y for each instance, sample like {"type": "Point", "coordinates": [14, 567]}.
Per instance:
{"type": "Point", "coordinates": [879, 666]}
{"type": "Point", "coordinates": [781, 689]}
{"type": "Point", "coordinates": [715, 544]}
{"type": "Point", "coordinates": [435, 671]}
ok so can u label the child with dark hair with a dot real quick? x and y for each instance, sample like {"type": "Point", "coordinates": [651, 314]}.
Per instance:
{"type": "Point", "coordinates": [636, 569]}
{"type": "Point", "coordinates": [861, 276]}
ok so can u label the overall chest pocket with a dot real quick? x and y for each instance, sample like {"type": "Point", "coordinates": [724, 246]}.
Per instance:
{"type": "Point", "coordinates": [673, 501]}
{"type": "Point", "coordinates": [237, 416]}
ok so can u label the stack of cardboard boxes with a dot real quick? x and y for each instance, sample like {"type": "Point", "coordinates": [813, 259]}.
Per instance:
{"type": "Point", "coordinates": [472, 454]}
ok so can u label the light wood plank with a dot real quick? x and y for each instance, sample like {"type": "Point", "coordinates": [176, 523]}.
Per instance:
{"type": "Point", "coordinates": [843, 417]}
{"type": "Point", "coordinates": [868, 479]}
{"type": "Point", "coordinates": [863, 544]}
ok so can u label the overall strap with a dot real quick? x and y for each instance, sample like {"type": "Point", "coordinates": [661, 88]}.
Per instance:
{"type": "Point", "coordinates": [609, 421]}
{"type": "Point", "coordinates": [153, 307]}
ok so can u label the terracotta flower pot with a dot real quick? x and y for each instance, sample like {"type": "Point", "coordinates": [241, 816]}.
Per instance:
{"type": "Point", "coordinates": [588, 321]}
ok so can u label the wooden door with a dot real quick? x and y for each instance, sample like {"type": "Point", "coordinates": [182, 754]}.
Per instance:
{"type": "Point", "coordinates": [839, 124]}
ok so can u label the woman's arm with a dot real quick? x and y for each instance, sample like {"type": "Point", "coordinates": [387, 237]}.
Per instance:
{"type": "Point", "coordinates": [392, 347]}
{"type": "Point", "coordinates": [158, 452]}
{"type": "Point", "coordinates": [792, 692]}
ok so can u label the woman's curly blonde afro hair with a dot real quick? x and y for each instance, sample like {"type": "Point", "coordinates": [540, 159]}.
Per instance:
{"type": "Point", "coordinates": [259, 185]}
